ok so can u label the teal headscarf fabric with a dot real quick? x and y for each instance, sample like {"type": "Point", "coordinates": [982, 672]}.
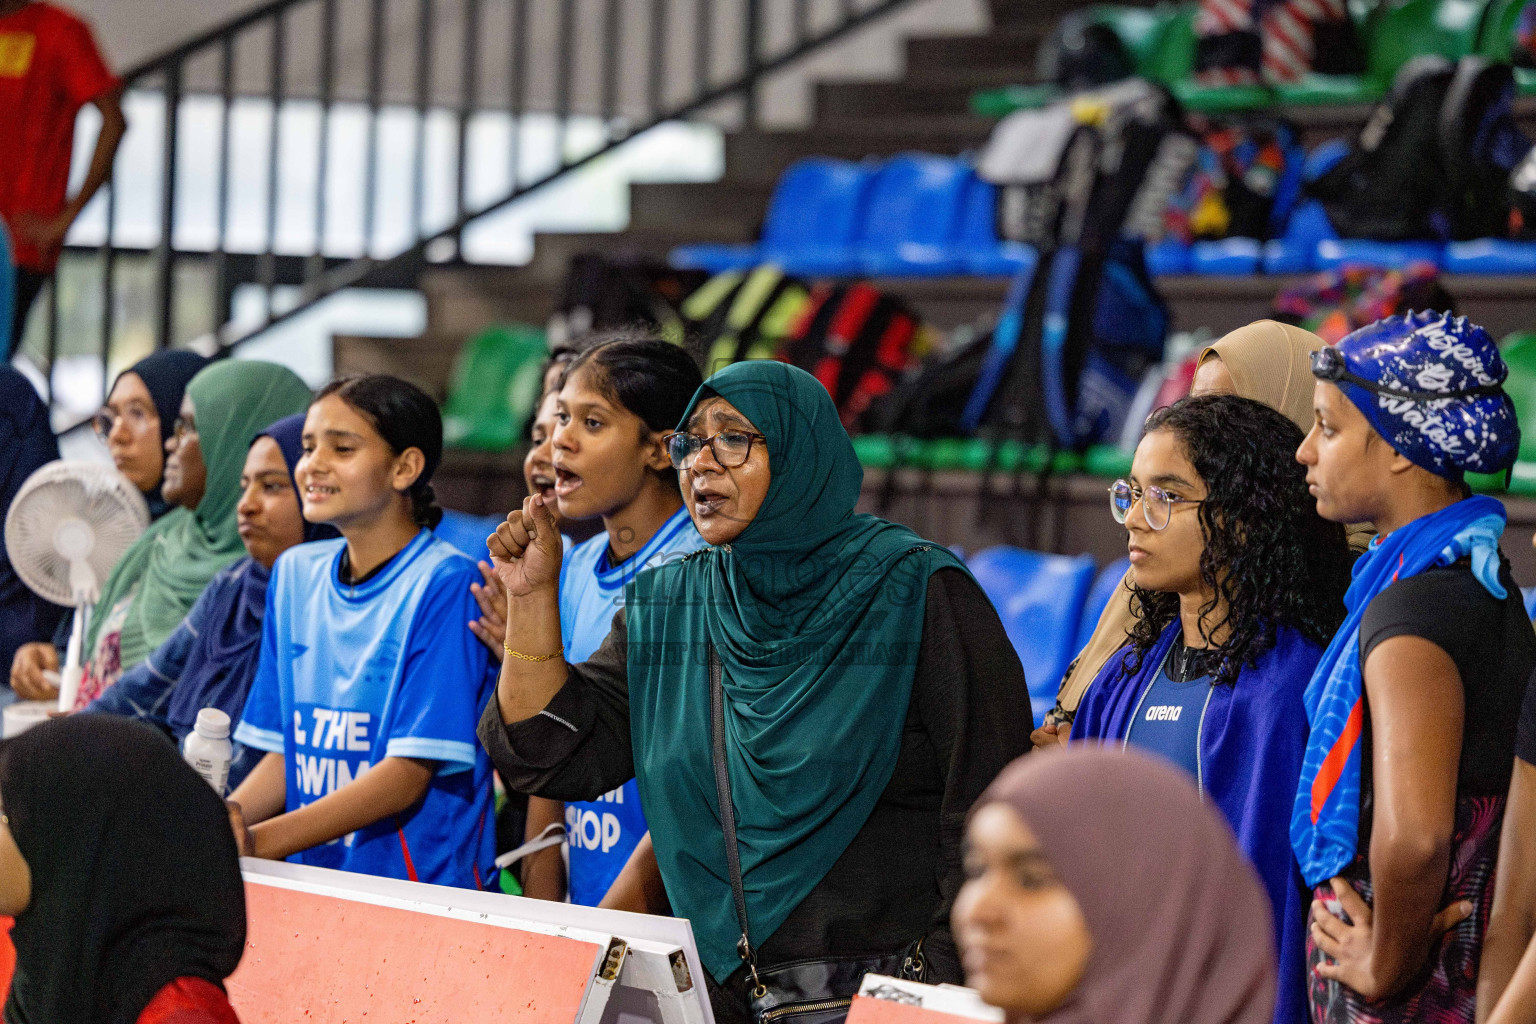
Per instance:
{"type": "Point", "coordinates": [817, 615]}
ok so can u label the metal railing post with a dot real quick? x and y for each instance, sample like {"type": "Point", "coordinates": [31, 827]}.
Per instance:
{"type": "Point", "coordinates": [469, 99]}
{"type": "Point", "coordinates": [316, 264]}
{"type": "Point", "coordinates": [752, 61]}
{"type": "Point", "coordinates": [712, 84]}
{"type": "Point", "coordinates": [165, 260]}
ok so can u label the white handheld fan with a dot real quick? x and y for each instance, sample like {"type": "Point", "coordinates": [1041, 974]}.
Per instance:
{"type": "Point", "coordinates": [67, 527]}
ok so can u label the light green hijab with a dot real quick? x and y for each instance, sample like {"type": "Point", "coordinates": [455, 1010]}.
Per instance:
{"type": "Point", "coordinates": [170, 565]}
{"type": "Point", "coordinates": [817, 615]}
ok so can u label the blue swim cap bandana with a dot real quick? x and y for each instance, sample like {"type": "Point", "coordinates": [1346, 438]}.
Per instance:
{"type": "Point", "coordinates": [1434, 352]}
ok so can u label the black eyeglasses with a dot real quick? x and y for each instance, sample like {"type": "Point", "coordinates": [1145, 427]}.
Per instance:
{"type": "Point", "coordinates": [183, 426]}
{"type": "Point", "coordinates": [1328, 364]}
{"type": "Point", "coordinates": [731, 448]}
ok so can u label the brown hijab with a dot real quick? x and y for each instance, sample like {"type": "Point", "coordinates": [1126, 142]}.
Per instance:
{"type": "Point", "coordinates": [1180, 924]}
{"type": "Point", "coordinates": [1270, 362]}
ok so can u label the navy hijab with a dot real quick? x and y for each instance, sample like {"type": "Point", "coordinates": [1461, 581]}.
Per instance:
{"type": "Point", "coordinates": [26, 443]}
{"type": "Point", "coordinates": [220, 667]}
{"type": "Point", "coordinates": [165, 376]}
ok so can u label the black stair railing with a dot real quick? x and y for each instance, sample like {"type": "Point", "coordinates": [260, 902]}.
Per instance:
{"type": "Point", "coordinates": [630, 64]}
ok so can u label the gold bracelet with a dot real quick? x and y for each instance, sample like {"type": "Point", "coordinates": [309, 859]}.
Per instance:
{"type": "Point", "coordinates": [529, 657]}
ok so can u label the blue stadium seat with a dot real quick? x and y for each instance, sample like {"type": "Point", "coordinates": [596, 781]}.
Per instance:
{"type": "Point", "coordinates": [1227, 257]}
{"type": "Point", "coordinates": [467, 532]}
{"type": "Point", "coordinates": [1296, 251]}
{"type": "Point", "coordinates": [1490, 256]}
{"type": "Point", "coordinates": [817, 208]}
{"type": "Point", "coordinates": [1339, 252]}
{"type": "Point", "coordinates": [1168, 258]}
{"type": "Point", "coordinates": [981, 253]}
{"type": "Point", "coordinates": [1103, 589]}
{"type": "Point", "coordinates": [912, 221]}
{"type": "Point", "coordinates": [1040, 600]}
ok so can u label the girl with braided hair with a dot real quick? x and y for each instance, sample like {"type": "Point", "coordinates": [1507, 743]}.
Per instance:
{"type": "Point", "coordinates": [1236, 586]}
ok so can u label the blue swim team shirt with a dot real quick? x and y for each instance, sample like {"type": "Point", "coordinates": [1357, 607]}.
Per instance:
{"type": "Point", "coordinates": [602, 833]}
{"type": "Point", "coordinates": [352, 674]}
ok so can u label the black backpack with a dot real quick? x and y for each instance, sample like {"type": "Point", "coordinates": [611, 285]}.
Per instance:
{"type": "Point", "coordinates": [1435, 159]}
{"type": "Point", "coordinates": [1480, 148]}
{"type": "Point", "coordinates": [1085, 183]}
{"type": "Point", "coordinates": [1389, 187]}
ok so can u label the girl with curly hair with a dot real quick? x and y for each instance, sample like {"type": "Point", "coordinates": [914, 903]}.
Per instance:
{"type": "Point", "coordinates": [1236, 586]}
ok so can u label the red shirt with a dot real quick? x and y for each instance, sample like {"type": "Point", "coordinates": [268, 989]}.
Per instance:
{"type": "Point", "coordinates": [189, 1001]}
{"type": "Point", "coordinates": [49, 69]}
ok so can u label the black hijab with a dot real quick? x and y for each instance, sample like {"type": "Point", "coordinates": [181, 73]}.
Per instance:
{"type": "Point", "coordinates": [165, 376]}
{"type": "Point", "coordinates": [135, 877]}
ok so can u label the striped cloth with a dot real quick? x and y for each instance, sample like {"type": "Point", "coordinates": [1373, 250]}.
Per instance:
{"type": "Point", "coordinates": [1285, 29]}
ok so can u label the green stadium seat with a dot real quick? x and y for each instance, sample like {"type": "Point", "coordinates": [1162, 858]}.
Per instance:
{"type": "Point", "coordinates": [1106, 461]}
{"type": "Point", "coordinates": [875, 451]}
{"type": "Point", "coordinates": [1159, 39]}
{"type": "Point", "coordinates": [1450, 28]}
{"type": "Point", "coordinates": [1162, 41]}
{"type": "Point", "coordinates": [496, 382]}
{"type": "Point", "coordinates": [1171, 57]}
{"type": "Point", "coordinates": [1498, 40]}
{"type": "Point", "coordinates": [1447, 27]}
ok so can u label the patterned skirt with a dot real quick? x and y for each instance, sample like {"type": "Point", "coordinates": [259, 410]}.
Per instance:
{"type": "Point", "coordinates": [1445, 992]}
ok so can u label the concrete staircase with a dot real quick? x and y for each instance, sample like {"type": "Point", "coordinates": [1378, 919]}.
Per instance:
{"type": "Point", "coordinates": [925, 109]}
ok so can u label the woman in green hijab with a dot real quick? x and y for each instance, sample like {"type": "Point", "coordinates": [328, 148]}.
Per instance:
{"type": "Point", "coordinates": [155, 583]}
{"type": "Point", "coordinates": [868, 694]}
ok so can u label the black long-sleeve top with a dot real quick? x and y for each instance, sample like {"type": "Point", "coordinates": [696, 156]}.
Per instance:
{"type": "Point", "coordinates": [969, 717]}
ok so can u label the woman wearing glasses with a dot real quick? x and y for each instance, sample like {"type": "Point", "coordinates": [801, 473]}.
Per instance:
{"type": "Point", "coordinates": [1237, 585]}
{"type": "Point", "coordinates": [1266, 361]}
{"type": "Point", "coordinates": [158, 579]}
{"type": "Point", "coordinates": [1414, 706]}
{"type": "Point", "coordinates": [844, 688]}
{"type": "Point", "coordinates": [135, 425]}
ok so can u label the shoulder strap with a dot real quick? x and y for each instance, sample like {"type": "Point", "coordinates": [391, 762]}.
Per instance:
{"type": "Point", "coordinates": [728, 811]}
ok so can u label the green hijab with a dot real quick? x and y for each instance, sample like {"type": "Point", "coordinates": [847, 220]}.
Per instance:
{"type": "Point", "coordinates": [170, 565]}
{"type": "Point", "coordinates": [817, 615]}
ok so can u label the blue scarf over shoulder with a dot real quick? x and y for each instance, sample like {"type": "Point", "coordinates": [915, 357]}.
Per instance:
{"type": "Point", "coordinates": [1251, 743]}
{"type": "Point", "coordinates": [1325, 817]}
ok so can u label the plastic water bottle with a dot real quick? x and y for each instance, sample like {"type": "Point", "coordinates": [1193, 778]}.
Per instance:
{"type": "Point", "coordinates": [208, 750]}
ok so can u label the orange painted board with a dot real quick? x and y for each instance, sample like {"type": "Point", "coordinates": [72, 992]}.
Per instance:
{"type": "Point", "coordinates": [868, 1010]}
{"type": "Point", "coordinates": [312, 958]}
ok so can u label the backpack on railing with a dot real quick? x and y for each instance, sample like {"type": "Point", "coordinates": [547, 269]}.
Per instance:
{"type": "Point", "coordinates": [859, 342]}
{"type": "Point", "coordinates": [1388, 188]}
{"type": "Point", "coordinates": [738, 315]}
{"type": "Point", "coordinates": [1435, 159]}
{"type": "Point", "coordinates": [1086, 182]}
